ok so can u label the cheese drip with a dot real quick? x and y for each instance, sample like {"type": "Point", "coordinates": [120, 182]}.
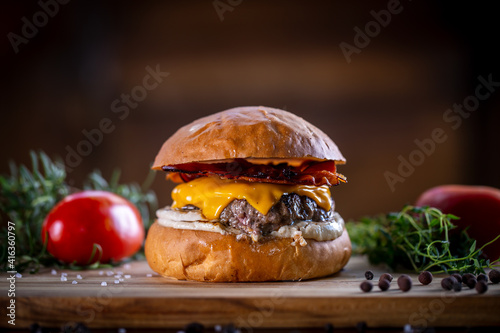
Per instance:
{"type": "Point", "coordinates": [212, 194]}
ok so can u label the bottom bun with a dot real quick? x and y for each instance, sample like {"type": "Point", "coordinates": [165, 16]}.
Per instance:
{"type": "Point", "coordinates": [209, 256]}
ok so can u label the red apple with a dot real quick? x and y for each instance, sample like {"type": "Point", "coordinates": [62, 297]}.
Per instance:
{"type": "Point", "coordinates": [477, 206]}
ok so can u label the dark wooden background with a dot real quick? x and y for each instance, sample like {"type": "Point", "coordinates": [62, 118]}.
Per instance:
{"type": "Point", "coordinates": [283, 54]}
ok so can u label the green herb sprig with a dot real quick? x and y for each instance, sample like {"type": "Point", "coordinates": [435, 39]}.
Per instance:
{"type": "Point", "coordinates": [418, 238]}
{"type": "Point", "coordinates": [27, 196]}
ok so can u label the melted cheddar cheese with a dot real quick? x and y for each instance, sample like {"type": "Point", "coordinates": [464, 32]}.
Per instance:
{"type": "Point", "coordinates": [212, 194]}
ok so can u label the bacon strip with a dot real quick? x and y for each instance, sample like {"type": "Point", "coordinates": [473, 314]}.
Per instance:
{"type": "Point", "coordinates": [308, 173]}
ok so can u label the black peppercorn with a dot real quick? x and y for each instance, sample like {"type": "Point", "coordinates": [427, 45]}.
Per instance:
{"type": "Point", "coordinates": [481, 287]}
{"type": "Point", "coordinates": [369, 275]}
{"type": "Point", "coordinates": [386, 276]}
{"type": "Point", "coordinates": [73, 328]}
{"type": "Point", "coordinates": [482, 277]}
{"type": "Point", "coordinates": [361, 327]}
{"type": "Point", "coordinates": [425, 277]}
{"type": "Point", "coordinates": [366, 286]}
{"type": "Point", "coordinates": [458, 277]}
{"type": "Point", "coordinates": [194, 328]}
{"type": "Point", "coordinates": [467, 276]}
{"type": "Point", "coordinates": [384, 284]}
{"type": "Point", "coordinates": [229, 328]}
{"type": "Point", "coordinates": [471, 282]}
{"type": "Point", "coordinates": [494, 276]}
{"type": "Point", "coordinates": [35, 328]}
{"type": "Point", "coordinates": [457, 286]}
{"type": "Point", "coordinates": [404, 282]}
{"type": "Point", "coordinates": [448, 282]}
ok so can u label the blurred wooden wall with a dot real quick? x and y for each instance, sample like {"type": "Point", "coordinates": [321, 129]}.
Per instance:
{"type": "Point", "coordinates": [283, 54]}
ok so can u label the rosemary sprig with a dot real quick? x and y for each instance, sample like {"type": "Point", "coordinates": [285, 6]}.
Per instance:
{"type": "Point", "coordinates": [418, 238]}
{"type": "Point", "coordinates": [27, 196]}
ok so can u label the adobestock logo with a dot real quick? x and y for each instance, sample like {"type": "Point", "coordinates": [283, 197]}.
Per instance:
{"type": "Point", "coordinates": [428, 314]}
{"type": "Point", "coordinates": [372, 29]}
{"type": "Point", "coordinates": [29, 30]}
{"type": "Point", "coordinates": [221, 7]}
{"type": "Point", "coordinates": [121, 108]}
{"type": "Point", "coordinates": [427, 146]}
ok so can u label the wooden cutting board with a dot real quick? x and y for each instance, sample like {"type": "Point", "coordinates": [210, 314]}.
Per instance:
{"type": "Point", "coordinates": [141, 298]}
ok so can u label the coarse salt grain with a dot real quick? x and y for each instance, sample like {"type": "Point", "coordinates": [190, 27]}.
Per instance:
{"type": "Point", "coordinates": [104, 284]}
{"type": "Point", "coordinates": [79, 277]}
{"type": "Point", "coordinates": [74, 282]}
{"type": "Point", "coordinates": [53, 272]}
{"type": "Point", "coordinates": [101, 272]}
{"type": "Point", "coordinates": [118, 276]}
{"type": "Point", "coordinates": [149, 275]}
{"type": "Point", "coordinates": [18, 275]}
{"type": "Point", "coordinates": [127, 276]}
{"type": "Point", "coordinates": [117, 281]}
{"type": "Point", "coordinates": [63, 278]}
{"type": "Point", "coordinates": [109, 273]}
{"type": "Point", "coordinates": [64, 274]}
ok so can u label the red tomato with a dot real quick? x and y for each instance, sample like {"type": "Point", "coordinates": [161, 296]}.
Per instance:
{"type": "Point", "coordinates": [478, 208]}
{"type": "Point", "coordinates": [86, 218]}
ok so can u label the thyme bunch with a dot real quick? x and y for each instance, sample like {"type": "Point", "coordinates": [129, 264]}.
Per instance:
{"type": "Point", "coordinates": [420, 239]}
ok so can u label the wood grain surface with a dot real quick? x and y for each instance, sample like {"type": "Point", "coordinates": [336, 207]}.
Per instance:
{"type": "Point", "coordinates": [134, 296]}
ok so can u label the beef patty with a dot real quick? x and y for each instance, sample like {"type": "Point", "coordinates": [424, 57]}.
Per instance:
{"type": "Point", "coordinates": [290, 208]}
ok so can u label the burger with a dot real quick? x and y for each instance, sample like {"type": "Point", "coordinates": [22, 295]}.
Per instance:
{"type": "Point", "coordinates": [253, 201]}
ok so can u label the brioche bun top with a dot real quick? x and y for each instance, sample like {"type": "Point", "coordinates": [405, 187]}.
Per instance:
{"type": "Point", "coordinates": [250, 132]}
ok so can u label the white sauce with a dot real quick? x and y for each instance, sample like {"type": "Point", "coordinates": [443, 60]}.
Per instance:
{"type": "Point", "coordinates": [193, 220]}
